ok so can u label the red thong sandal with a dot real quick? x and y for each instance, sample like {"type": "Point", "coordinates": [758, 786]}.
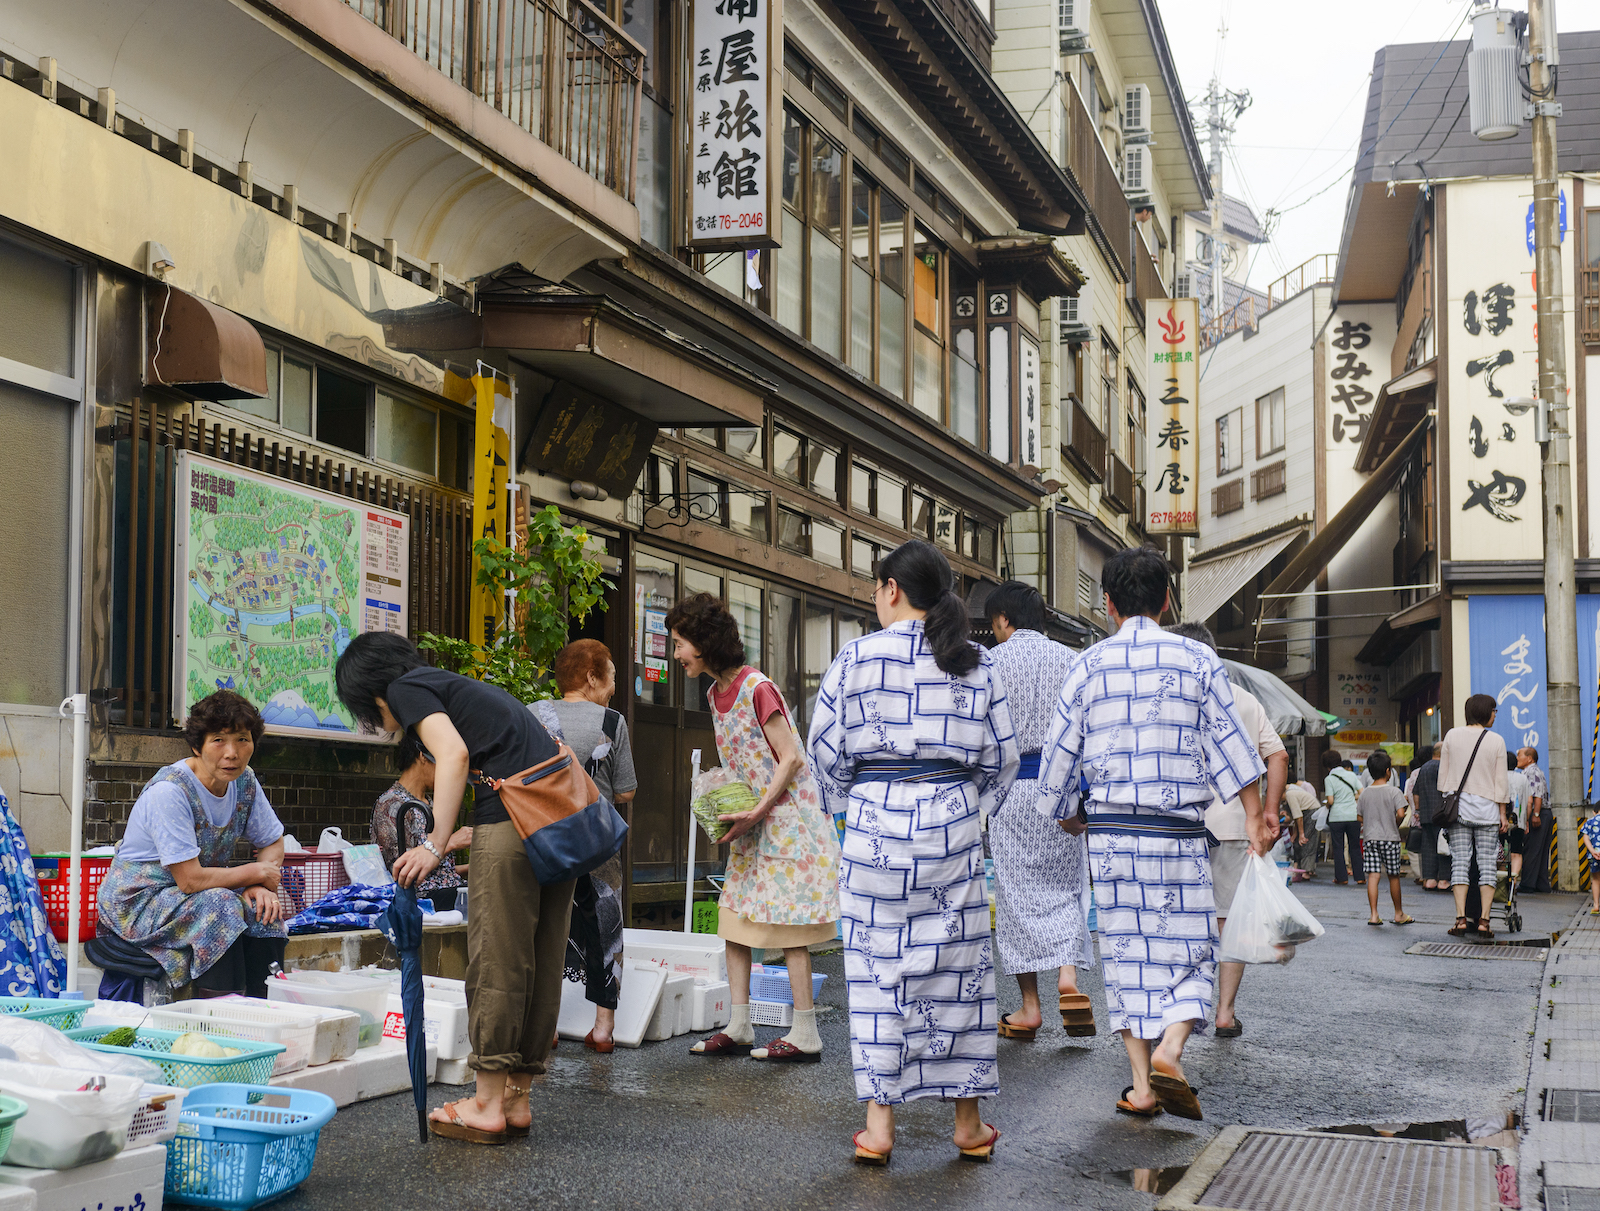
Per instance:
{"type": "Point", "coordinates": [983, 1153]}
{"type": "Point", "coordinates": [720, 1044]}
{"type": "Point", "coordinates": [866, 1156]}
{"type": "Point", "coordinates": [781, 1051]}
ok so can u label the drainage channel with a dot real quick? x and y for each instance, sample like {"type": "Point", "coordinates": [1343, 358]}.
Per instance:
{"type": "Point", "coordinates": [1449, 1165]}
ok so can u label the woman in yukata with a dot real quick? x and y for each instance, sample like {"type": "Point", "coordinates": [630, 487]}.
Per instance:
{"type": "Point", "coordinates": [782, 888]}
{"type": "Point", "coordinates": [912, 737]}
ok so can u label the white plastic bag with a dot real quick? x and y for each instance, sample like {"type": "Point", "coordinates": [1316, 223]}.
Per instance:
{"type": "Point", "coordinates": [29, 1042]}
{"type": "Point", "coordinates": [364, 864]}
{"type": "Point", "coordinates": [67, 1126]}
{"type": "Point", "coordinates": [331, 840]}
{"type": "Point", "coordinates": [1443, 848]}
{"type": "Point", "coordinates": [1279, 852]}
{"type": "Point", "coordinates": [1319, 820]}
{"type": "Point", "coordinates": [1266, 921]}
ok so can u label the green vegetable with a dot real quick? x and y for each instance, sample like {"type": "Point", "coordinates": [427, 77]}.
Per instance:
{"type": "Point", "coordinates": [122, 1036]}
{"type": "Point", "coordinates": [722, 801]}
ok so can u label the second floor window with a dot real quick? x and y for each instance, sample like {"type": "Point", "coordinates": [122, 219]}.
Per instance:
{"type": "Point", "coordinates": [1230, 441]}
{"type": "Point", "coordinates": [1110, 358]}
{"type": "Point", "coordinates": [1270, 431]}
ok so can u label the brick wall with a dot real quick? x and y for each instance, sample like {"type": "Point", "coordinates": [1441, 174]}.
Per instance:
{"type": "Point", "coordinates": [310, 785]}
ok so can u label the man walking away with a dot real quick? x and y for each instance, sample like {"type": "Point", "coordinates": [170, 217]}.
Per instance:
{"type": "Point", "coordinates": [1226, 822]}
{"type": "Point", "coordinates": [1382, 807]}
{"type": "Point", "coordinates": [1425, 797]}
{"type": "Point", "coordinates": [1041, 875]}
{"type": "Point", "coordinates": [1148, 718]}
{"type": "Point", "coordinates": [1518, 809]}
{"type": "Point", "coordinates": [1541, 822]}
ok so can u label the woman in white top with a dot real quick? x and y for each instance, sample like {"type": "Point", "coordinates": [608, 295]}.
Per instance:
{"type": "Point", "coordinates": [1481, 779]}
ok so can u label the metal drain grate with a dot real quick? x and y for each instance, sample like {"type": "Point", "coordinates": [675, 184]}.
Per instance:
{"type": "Point", "coordinates": [1572, 1106]}
{"type": "Point", "coordinates": [1477, 950]}
{"type": "Point", "coordinates": [1308, 1171]}
{"type": "Point", "coordinates": [1571, 1198]}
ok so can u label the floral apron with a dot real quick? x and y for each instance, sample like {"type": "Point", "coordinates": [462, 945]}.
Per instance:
{"type": "Point", "coordinates": [186, 933]}
{"type": "Point", "coordinates": [787, 871]}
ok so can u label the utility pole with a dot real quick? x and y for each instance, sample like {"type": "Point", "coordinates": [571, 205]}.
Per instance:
{"type": "Point", "coordinates": [1214, 101]}
{"type": "Point", "coordinates": [1560, 601]}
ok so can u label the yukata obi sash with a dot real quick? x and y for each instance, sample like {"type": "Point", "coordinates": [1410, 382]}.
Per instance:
{"type": "Point", "coordinates": [1130, 825]}
{"type": "Point", "coordinates": [1028, 768]}
{"type": "Point", "coordinates": [930, 769]}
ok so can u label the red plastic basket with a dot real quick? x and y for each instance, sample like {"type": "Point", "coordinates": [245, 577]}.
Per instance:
{"type": "Point", "coordinates": [54, 873]}
{"type": "Point", "coordinates": [307, 877]}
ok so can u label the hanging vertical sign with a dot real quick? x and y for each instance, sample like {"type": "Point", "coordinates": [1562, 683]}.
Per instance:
{"type": "Point", "coordinates": [491, 478]}
{"type": "Point", "coordinates": [736, 123]}
{"type": "Point", "coordinates": [1172, 501]}
{"type": "Point", "coordinates": [1030, 453]}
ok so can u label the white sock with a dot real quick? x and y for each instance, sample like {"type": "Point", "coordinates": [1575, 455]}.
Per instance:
{"type": "Point", "coordinates": [803, 1034]}
{"type": "Point", "coordinates": [738, 1028]}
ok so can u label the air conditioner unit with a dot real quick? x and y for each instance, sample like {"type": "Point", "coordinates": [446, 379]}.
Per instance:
{"type": "Point", "coordinates": [1136, 113]}
{"type": "Point", "coordinates": [1076, 314]}
{"type": "Point", "coordinates": [1072, 20]}
{"type": "Point", "coordinates": [1137, 176]}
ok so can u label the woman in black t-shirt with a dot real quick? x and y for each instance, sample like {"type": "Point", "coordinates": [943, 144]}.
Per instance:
{"type": "Point", "coordinates": [513, 988]}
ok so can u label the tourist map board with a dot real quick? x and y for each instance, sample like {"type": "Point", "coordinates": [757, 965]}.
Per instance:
{"type": "Point", "coordinates": [274, 578]}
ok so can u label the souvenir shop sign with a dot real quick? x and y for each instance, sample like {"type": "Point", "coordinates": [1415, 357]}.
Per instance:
{"type": "Point", "coordinates": [1172, 478]}
{"type": "Point", "coordinates": [736, 123]}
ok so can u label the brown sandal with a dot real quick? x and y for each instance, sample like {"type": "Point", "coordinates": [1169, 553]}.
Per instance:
{"type": "Point", "coordinates": [1077, 1016]}
{"type": "Point", "coordinates": [1461, 928]}
{"type": "Point", "coordinates": [1175, 1094]}
{"type": "Point", "coordinates": [782, 1051]}
{"type": "Point", "coordinates": [1124, 1106]}
{"type": "Point", "coordinates": [455, 1129]}
{"type": "Point", "coordinates": [1023, 1034]}
{"type": "Point", "coordinates": [720, 1044]}
{"type": "Point", "coordinates": [983, 1153]}
{"type": "Point", "coordinates": [1483, 928]}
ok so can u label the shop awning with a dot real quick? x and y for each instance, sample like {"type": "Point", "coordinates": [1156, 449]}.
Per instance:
{"type": "Point", "coordinates": [1305, 566]}
{"type": "Point", "coordinates": [601, 347]}
{"type": "Point", "coordinates": [201, 348]}
{"type": "Point", "coordinates": [1212, 580]}
{"type": "Point", "coordinates": [1402, 402]}
{"type": "Point", "coordinates": [1290, 714]}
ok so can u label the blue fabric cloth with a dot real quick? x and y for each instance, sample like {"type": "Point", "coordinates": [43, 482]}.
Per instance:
{"type": "Point", "coordinates": [1028, 770]}
{"type": "Point", "coordinates": [1591, 831]}
{"type": "Point", "coordinates": [1149, 717]}
{"type": "Point", "coordinates": [31, 964]}
{"type": "Point", "coordinates": [354, 906]}
{"type": "Point", "coordinates": [161, 826]}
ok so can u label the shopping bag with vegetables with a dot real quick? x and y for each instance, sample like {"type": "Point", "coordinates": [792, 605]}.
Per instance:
{"type": "Point", "coordinates": [719, 792]}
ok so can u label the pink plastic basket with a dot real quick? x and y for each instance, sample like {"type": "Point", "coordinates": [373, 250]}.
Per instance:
{"type": "Point", "coordinates": [307, 877]}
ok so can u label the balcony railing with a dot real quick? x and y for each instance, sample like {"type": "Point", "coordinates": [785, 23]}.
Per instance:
{"type": "Point", "coordinates": [560, 69]}
{"type": "Point", "coordinates": [1085, 158]}
{"type": "Point", "coordinates": [1119, 485]}
{"type": "Point", "coordinates": [1086, 445]}
{"type": "Point", "coordinates": [1269, 481]}
{"type": "Point", "coordinates": [1323, 267]}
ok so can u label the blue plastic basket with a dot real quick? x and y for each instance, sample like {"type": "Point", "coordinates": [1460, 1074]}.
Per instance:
{"type": "Point", "coordinates": [772, 984]}
{"type": "Point", "coordinates": [239, 1146]}
{"type": "Point", "coordinates": [63, 1015]}
{"type": "Point", "coordinates": [253, 1064]}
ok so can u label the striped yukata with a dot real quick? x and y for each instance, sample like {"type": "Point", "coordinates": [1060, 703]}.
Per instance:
{"type": "Point", "coordinates": [1148, 718]}
{"type": "Point", "coordinates": [918, 962]}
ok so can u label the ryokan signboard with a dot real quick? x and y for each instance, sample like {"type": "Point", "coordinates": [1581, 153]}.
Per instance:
{"type": "Point", "coordinates": [1172, 462]}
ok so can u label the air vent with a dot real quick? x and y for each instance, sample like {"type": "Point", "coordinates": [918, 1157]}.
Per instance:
{"type": "Point", "coordinates": [1572, 1106]}
{"type": "Point", "coordinates": [1477, 950]}
{"type": "Point", "coordinates": [1571, 1198]}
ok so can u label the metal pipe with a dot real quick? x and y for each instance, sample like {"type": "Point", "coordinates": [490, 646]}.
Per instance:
{"type": "Point", "coordinates": [77, 706]}
{"type": "Point", "coordinates": [688, 883]}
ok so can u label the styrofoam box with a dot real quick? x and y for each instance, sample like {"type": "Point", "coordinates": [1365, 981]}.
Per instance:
{"type": "Point", "coordinates": [337, 1030]}
{"type": "Point", "coordinates": [452, 1072]}
{"type": "Point", "coordinates": [136, 1177]}
{"type": "Point", "coordinates": [444, 1021]}
{"type": "Point", "coordinates": [701, 956]}
{"type": "Point", "coordinates": [383, 1069]}
{"type": "Point", "coordinates": [641, 990]}
{"type": "Point", "coordinates": [710, 1006]}
{"type": "Point", "coordinates": [336, 1079]}
{"type": "Point", "coordinates": [673, 1011]}
{"type": "Point", "coordinates": [19, 1198]}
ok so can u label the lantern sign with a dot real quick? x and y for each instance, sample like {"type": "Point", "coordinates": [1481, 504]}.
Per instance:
{"type": "Point", "coordinates": [736, 127]}
{"type": "Point", "coordinates": [1172, 480]}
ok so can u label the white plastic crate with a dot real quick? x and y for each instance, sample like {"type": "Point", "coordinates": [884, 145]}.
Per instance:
{"type": "Point", "coordinates": [156, 1119]}
{"type": "Point", "coordinates": [337, 1030]}
{"type": "Point", "coordinates": [771, 1013]}
{"type": "Point", "coordinates": [241, 1022]}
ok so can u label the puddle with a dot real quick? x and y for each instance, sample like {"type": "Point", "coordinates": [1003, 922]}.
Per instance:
{"type": "Point", "coordinates": [1149, 1181]}
{"type": "Point", "coordinates": [1444, 1131]}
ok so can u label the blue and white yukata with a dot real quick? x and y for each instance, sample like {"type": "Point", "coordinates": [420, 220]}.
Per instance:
{"type": "Point", "coordinates": [1148, 718]}
{"type": "Point", "coordinates": [912, 757]}
{"type": "Point", "coordinates": [1041, 874]}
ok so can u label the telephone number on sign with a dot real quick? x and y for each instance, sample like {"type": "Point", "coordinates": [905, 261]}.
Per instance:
{"type": "Point", "coordinates": [1172, 519]}
{"type": "Point", "coordinates": [732, 222]}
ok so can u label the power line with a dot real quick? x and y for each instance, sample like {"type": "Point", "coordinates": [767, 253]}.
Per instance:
{"type": "Point", "coordinates": [1444, 46]}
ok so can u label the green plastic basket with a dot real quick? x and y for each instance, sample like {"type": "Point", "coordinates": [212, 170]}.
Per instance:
{"type": "Point", "coordinates": [252, 1066]}
{"type": "Point", "coordinates": [63, 1015]}
{"type": "Point", "coordinates": [10, 1111]}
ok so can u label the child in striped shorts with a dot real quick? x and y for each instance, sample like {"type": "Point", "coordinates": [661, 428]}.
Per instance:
{"type": "Point", "coordinates": [1381, 807]}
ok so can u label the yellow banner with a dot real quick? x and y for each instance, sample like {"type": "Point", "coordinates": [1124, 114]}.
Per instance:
{"type": "Point", "coordinates": [491, 474]}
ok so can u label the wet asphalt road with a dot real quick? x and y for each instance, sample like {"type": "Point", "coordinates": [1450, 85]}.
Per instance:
{"type": "Point", "coordinates": [1352, 1031]}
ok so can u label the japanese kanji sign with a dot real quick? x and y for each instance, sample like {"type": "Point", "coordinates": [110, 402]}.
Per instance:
{"type": "Point", "coordinates": [736, 86]}
{"type": "Point", "coordinates": [582, 436]}
{"type": "Point", "coordinates": [1172, 475]}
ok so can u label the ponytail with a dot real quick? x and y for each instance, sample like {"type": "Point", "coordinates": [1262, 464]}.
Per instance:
{"type": "Point", "coordinates": [924, 576]}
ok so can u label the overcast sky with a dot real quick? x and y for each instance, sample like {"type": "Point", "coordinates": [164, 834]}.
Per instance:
{"type": "Point", "coordinates": [1307, 67]}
